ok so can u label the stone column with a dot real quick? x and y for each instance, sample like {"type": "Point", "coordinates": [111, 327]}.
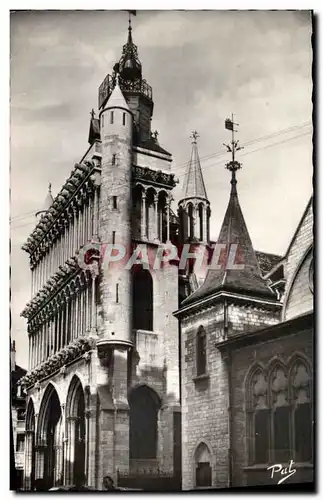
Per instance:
{"type": "Point", "coordinates": [70, 450]}
{"type": "Point", "coordinates": [95, 213]}
{"type": "Point", "coordinates": [28, 472]}
{"type": "Point", "coordinates": [77, 319]}
{"type": "Point", "coordinates": [168, 221]}
{"type": "Point", "coordinates": [156, 217]}
{"type": "Point", "coordinates": [144, 217]}
{"type": "Point", "coordinates": [94, 274]}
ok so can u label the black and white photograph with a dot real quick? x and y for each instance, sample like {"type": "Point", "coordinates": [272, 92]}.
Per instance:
{"type": "Point", "coordinates": [162, 205]}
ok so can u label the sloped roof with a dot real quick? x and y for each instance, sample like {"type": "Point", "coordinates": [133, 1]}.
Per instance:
{"type": "Point", "coordinates": [94, 132]}
{"type": "Point", "coordinates": [117, 99]}
{"type": "Point", "coordinates": [248, 279]}
{"type": "Point", "coordinates": [267, 261]}
{"type": "Point", "coordinates": [47, 202]}
{"type": "Point", "coordinates": [194, 186]}
{"type": "Point", "coordinates": [152, 145]}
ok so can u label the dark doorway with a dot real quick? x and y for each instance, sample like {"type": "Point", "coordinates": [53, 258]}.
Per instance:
{"type": "Point", "coordinates": [144, 405]}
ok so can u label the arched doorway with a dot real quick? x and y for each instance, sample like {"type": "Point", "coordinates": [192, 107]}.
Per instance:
{"type": "Point", "coordinates": [144, 406]}
{"type": "Point", "coordinates": [203, 470]}
{"type": "Point", "coordinates": [75, 416]}
{"type": "Point", "coordinates": [50, 440]}
{"type": "Point", "coordinates": [29, 480]}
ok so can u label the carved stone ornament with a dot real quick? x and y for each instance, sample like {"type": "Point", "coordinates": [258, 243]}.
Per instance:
{"type": "Point", "coordinates": [74, 350]}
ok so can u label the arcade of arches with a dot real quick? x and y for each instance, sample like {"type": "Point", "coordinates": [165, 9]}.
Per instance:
{"type": "Point", "coordinates": [56, 445]}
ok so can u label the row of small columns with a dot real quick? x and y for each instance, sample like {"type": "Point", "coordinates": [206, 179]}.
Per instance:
{"type": "Point", "coordinates": [158, 232]}
{"type": "Point", "coordinates": [72, 317]}
{"type": "Point", "coordinates": [65, 451]}
{"type": "Point", "coordinates": [78, 226]}
{"type": "Point", "coordinates": [202, 232]}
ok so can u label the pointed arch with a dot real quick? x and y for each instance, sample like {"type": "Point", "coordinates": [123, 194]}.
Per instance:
{"type": "Point", "coordinates": [190, 214]}
{"type": "Point", "coordinates": [76, 432]}
{"type": "Point", "coordinates": [256, 390]}
{"type": "Point", "coordinates": [202, 236]}
{"type": "Point", "coordinates": [144, 405]}
{"type": "Point", "coordinates": [300, 380]}
{"type": "Point", "coordinates": [29, 474]}
{"type": "Point", "coordinates": [203, 467]}
{"type": "Point", "coordinates": [50, 438]}
{"type": "Point", "coordinates": [293, 280]}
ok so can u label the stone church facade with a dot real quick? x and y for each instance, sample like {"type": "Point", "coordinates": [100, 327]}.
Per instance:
{"type": "Point", "coordinates": [247, 366]}
{"type": "Point", "coordinates": [157, 376]}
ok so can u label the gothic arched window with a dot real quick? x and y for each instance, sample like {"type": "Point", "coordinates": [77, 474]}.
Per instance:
{"type": "Point", "coordinates": [279, 411]}
{"type": "Point", "coordinates": [201, 220]}
{"type": "Point", "coordinates": [302, 411]}
{"type": "Point", "coordinates": [201, 352]}
{"type": "Point", "coordinates": [280, 414]}
{"type": "Point", "coordinates": [191, 220]}
{"type": "Point", "coordinates": [258, 418]}
{"type": "Point", "coordinates": [142, 299]}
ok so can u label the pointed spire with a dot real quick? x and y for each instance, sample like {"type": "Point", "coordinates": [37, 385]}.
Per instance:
{"type": "Point", "coordinates": [129, 65]}
{"type": "Point", "coordinates": [194, 186]}
{"type": "Point", "coordinates": [49, 198]}
{"type": "Point", "coordinates": [130, 42]}
{"type": "Point", "coordinates": [47, 203]}
{"type": "Point", "coordinates": [247, 280]}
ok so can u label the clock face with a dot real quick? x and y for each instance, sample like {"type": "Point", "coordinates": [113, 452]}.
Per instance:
{"type": "Point", "coordinates": [311, 276]}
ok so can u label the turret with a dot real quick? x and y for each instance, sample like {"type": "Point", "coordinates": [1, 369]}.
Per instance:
{"type": "Point", "coordinates": [116, 126]}
{"type": "Point", "coordinates": [47, 203]}
{"type": "Point", "coordinates": [194, 206]}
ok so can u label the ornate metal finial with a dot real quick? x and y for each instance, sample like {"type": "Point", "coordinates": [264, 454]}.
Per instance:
{"type": "Point", "coordinates": [50, 188]}
{"type": "Point", "coordinates": [194, 136]}
{"type": "Point", "coordinates": [155, 135]}
{"type": "Point", "coordinates": [92, 114]}
{"type": "Point", "coordinates": [232, 147]}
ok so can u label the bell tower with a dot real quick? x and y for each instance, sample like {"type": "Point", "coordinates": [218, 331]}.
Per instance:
{"type": "Point", "coordinates": [135, 88]}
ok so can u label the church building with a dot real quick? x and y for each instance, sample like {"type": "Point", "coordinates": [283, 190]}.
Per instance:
{"type": "Point", "coordinates": [103, 385]}
{"type": "Point", "coordinates": [162, 378]}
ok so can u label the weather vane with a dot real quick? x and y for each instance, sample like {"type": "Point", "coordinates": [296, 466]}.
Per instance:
{"type": "Point", "coordinates": [232, 147]}
{"type": "Point", "coordinates": [194, 136]}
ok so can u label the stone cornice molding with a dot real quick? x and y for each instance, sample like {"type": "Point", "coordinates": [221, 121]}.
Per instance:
{"type": "Point", "coordinates": [76, 191]}
{"type": "Point", "coordinates": [74, 350]}
{"type": "Point", "coordinates": [57, 291]}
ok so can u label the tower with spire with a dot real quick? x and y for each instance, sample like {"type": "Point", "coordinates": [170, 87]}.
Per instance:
{"type": "Point", "coordinates": [194, 206]}
{"type": "Point", "coordinates": [231, 300]}
{"type": "Point", "coordinates": [104, 344]}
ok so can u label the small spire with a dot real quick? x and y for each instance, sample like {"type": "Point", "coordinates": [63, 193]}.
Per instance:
{"type": "Point", "coordinates": [193, 186]}
{"type": "Point", "coordinates": [130, 30]}
{"type": "Point", "coordinates": [92, 114]}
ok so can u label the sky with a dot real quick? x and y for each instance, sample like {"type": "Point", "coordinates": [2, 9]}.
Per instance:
{"type": "Point", "coordinates": [202, 66]}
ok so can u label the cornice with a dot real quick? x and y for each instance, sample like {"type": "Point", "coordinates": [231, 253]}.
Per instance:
{"type": "Point", "coordinates": [78, 188]}
{"type": "Point", "coordinates": [74, 350]}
